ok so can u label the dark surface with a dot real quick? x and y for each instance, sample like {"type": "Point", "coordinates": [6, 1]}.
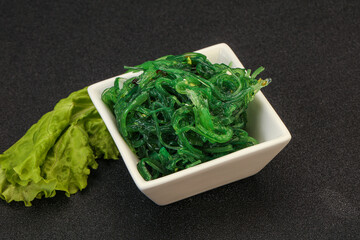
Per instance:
{"type": "Point", "coordinates": [311, 51]}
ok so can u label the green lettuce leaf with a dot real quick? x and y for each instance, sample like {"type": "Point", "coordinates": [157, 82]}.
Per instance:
{"type": "Point", "coordinates": [99, 138]}
{"type": "Point", "coordinates": [69, 160]}
{"type": "Point", "coordinates": [57, 152]}
{"type": "Point", "coordinates": [14, 192]}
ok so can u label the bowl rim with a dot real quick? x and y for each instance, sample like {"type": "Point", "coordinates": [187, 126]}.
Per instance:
{"type": "Point", "coordinates": [142, 184]}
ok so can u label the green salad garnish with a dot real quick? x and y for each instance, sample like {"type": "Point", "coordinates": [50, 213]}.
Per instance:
{"type": "Point", "coordinates": [182, 111]}
{"type": "Point", "coordinates": [56, 153]}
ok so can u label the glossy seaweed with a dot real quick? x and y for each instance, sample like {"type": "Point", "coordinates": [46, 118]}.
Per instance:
{"type": "Point", "coordinates": [183, 110]}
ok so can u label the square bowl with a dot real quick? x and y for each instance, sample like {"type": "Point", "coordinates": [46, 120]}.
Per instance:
{"type": "Point", "coordinates": [263, 124]}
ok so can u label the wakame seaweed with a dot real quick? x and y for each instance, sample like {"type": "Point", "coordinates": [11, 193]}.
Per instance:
{"type": "Point", "coordinates": [183, 110]}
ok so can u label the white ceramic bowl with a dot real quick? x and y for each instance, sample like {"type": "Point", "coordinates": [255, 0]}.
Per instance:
{"type": "Point", "coordinates": [263, 124]}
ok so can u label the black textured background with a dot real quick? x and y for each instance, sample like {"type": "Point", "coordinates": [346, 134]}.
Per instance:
{"type": "Point", "coordinates": [311, 50]}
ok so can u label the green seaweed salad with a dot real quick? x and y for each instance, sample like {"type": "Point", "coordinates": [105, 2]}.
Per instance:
{"type": "Point", "coordinates": [183, 110]}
